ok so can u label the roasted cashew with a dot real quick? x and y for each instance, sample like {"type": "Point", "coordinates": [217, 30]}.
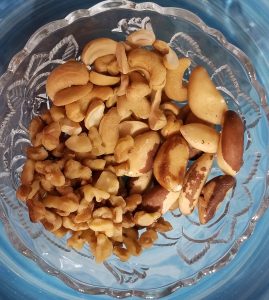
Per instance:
{"type": "Point", "coordinates": [97, 48]}
{"type": "Point", "coordinates": [66, 75]}
{"type": "Point", "coordinates": [150, 62]}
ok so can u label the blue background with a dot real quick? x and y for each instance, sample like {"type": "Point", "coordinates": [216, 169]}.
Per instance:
{"type": "Point", "coordinates": [247, 276]}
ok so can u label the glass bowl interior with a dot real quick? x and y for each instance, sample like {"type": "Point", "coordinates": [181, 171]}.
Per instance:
{"type": "Point", "coordinates": [183, 255]}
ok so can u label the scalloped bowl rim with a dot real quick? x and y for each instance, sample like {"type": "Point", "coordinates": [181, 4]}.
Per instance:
{"type": "Point", "coordinates": [47, 29]}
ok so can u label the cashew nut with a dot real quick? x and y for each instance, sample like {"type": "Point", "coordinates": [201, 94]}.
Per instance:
{"type": "Point", "coordinates": [174, 88]}
{"type": "Point", "coordinates": [132, 128]}
{"type": "Point", "coordinates": [151, 63]}
{"type": "Point", "coordinates": [79, 143]}
{"type": "Point", "coordinates": [101, 63]}
{"type": "Point", "coordinates": [124, 82]}
{"type": "Point", "coordinates": [69, 74]}
{"type": "Point", "coordinates": [71, 94]}
{"type": "Point", "coordinates": [76, 111]}
{"type": "Point", "coordinates": [70, 127]}
{"type": "Point", "coordinates": [97, 48]}
{"type": "Point", "coordinates": [157, 118]}
{"type": "Point", "coordinates": [141, 37]}
{"type": "Point", "coordinates": [94, 113]}
{"type": "Point", "coordinates": [122, 58]}
{"type": "Point", "coordinates": [57, 113]}
{"type": "Point", "coordinates": [103, 80]}
{"type": "Point", "coordinates": [170, 59]}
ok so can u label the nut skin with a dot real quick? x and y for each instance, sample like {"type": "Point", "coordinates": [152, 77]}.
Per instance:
{"type": "Point", "coordinates": [213, 193]}
{"type": "Point", "coordinates": [231, 145]}
{"type": "Point", "coordinates": [191, 118]}
{"type": "Point", "coordinates": [170, 163]}
{"type": "Point", "coordinates": [158, 199]}
{"type": "Point", "coordinates": [142, 156]}
{"type": "Point", "coordinates": [140, 184]}
{"type": "Point", "coordinates": [193, 183]}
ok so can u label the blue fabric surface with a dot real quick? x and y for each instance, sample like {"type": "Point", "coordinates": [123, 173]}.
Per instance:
{"type": "Point", "coordinates": [247, 276]}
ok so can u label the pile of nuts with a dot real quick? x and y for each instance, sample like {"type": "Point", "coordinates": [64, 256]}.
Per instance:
{"type": "Point", "coordinates": [110, 156]}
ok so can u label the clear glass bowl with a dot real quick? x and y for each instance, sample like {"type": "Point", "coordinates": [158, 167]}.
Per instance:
{"type": "Point", "coordinates": [190, 251]}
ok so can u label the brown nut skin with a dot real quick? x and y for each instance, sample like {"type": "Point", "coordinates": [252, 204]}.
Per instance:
{"type": "Point", "coordinates": [170, 163]}
{"type": "Point", "coordinates": [192, 118]}
{"type": "Point", "coordinates": [193, 183]}
{"type": "Point", "coordinates": [142, 155]}
{"type": "Point", "coordinates": [138, 185]}
{"type": "Point", "coordinates": [194, 153]}
{"type": "Point", "coordinates": [66, 75]}
{"type": "Point", "coordinates": [159, 199]}
{"type": "Point", "coordinates": [213, 193]}
{"type": "Point", "coordinates": [231, 145]}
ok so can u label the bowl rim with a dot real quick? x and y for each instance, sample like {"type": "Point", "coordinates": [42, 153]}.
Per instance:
{"type": "Point", "coordinates": [49, 28]}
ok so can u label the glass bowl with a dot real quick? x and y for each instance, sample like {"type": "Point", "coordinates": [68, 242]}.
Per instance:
{"type": "Point", "coordinates": [190, 251]}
